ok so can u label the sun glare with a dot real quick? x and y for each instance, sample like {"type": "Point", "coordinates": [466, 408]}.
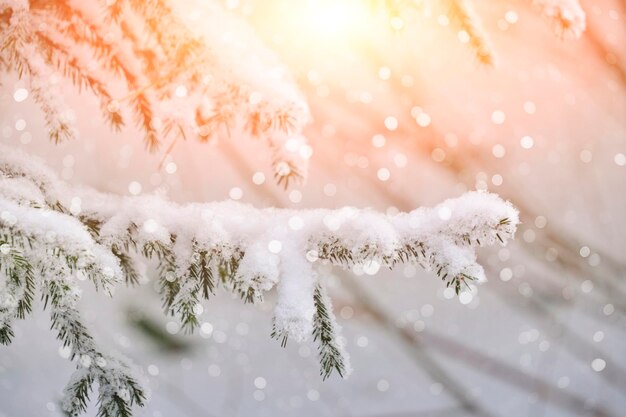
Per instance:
{"type": "Point", "coordinates": [336, 19]}
{"type": "Point", "coordinates": [331, 19]}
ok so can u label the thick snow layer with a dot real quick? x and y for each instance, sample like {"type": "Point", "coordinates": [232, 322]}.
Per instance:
{"type": "Point", "coordinates": [285, 243]}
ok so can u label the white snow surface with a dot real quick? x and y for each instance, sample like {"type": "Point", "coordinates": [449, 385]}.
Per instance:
{"type": "Point", "coordinates": [446, 234]}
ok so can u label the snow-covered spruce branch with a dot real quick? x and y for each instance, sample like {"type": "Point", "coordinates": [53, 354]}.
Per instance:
{"type": "Point", "coordinates": [52, 236]}
{"type": "Point", "coordinates": [165, 64]}
{"type": "Point", "coordinates": [51, 252]}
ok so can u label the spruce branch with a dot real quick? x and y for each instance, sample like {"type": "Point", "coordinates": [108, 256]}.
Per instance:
{"type": "Point", "coordinates": [198, 247]}
{"type": "Point", "coordinates": [16, 289]}
{"type": "Point", "coordinates": [128, 266]}
{"type": "Point", "coordinates": [461, 12]}
{"type": "Point", "coordinates": [566, 17]}
{"type": "Point", "coordinates": [174, 80]}
{"type": "Point", "coordinates": [326, 332]}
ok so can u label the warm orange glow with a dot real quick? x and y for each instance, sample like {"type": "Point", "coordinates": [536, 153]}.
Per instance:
{"type": "Point", "coordinates": [329, 24]}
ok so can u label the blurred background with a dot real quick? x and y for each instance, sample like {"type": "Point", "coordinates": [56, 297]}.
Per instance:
{"type": "Point", "coordinates": [404, 115]}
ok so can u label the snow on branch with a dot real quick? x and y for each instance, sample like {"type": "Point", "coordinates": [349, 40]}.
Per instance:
{"type": "Point", "coordinates": [66, 233]}
{"type": "Point", "coordinates": [179, 69]}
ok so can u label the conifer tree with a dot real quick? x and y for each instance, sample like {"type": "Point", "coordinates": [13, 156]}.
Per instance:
{"type": "Point", "coordinates": [146, 65]}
